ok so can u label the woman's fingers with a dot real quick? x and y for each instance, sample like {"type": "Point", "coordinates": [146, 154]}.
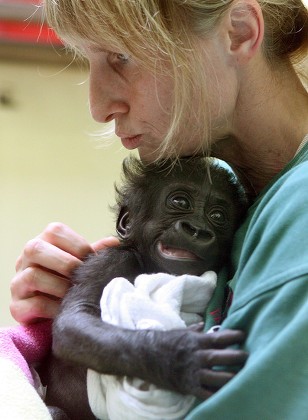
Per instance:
{"type": "Point", "coordinates": [63, 237]}
{"type": "Point", "coordinates": [105, 243]}
{"type": "Point", "coordinates": [33, 279]}
{"type": "Point", "coordinates": [26, 311]}
{"type": "Point", "coordinates": [44, 268]}
{"type": "Point", "coordinates": [36, 293]}
{"type": "Point", "coordinates": [38, 252]}
{"type": "Point", "coordinates": [43, 271]}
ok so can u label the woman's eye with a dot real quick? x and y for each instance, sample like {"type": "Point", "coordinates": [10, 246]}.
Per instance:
{"type": "Point", "coordinates": [123, 58]}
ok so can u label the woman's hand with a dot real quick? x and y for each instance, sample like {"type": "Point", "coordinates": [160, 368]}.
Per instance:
{"type": "Point", "coordinates": [44, 268]}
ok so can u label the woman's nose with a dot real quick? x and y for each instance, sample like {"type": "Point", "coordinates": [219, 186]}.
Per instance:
{"type": "Point", "coordinates": [106, 99]}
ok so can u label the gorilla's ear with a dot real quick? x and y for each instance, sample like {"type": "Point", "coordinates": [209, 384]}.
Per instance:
{"type": "Point", "coordinates": [123, 226]}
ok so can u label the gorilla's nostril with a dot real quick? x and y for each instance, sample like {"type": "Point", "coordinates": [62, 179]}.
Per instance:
{"type": "Point", "coordinates": [190, 230]}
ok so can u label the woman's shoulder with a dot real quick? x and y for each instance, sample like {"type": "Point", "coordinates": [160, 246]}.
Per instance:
{"type": "Point", "coordinates": [283, 208]}
{"type": "Point", "coordinates": [271, 247]}
{"type": "Point", "coordinates": [287, 190]}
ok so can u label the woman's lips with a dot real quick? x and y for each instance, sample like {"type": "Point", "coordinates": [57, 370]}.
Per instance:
{"type": "Point", "coordinates": [132, 142]}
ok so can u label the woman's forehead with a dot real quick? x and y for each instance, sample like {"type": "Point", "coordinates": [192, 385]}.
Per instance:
{"type": "Point", "coordinates": [94, 44]}
{"type": "Point", "coordinates": [99, 46]}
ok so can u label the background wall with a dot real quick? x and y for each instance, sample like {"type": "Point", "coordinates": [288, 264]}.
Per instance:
{"type": "Point", "coordinates": [51, 168]}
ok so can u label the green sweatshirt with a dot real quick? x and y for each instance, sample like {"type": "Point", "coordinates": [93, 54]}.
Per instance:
{"type": "Point", "coordinates": [270, 303]}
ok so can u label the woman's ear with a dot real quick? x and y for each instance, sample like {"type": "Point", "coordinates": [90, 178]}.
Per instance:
{"type": "Point", "coordinates": [123, 226]}
{"type": "Point", "coordinates": [246, 29]}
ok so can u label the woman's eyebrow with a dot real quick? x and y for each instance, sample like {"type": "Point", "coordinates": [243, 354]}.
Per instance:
{"type": "Point", "coordinates": [97, 48]}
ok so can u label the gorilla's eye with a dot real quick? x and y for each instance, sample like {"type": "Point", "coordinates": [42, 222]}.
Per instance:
{"type": "Point", "coordinates": [218, 217]}
{"type": "Point", "coordinates": [180, 202]}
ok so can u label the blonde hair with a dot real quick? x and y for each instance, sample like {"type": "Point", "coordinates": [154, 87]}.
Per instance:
{"type": "Point", "coordinates": [155, 32]}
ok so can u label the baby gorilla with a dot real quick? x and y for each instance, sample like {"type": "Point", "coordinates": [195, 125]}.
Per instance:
{"type": "Point", "coordinates": [175, 218]}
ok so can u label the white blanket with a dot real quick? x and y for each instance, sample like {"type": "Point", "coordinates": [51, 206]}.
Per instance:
{"type": "Point", "coordinates": [158, 301]}
{"type": "Point", "coordinates": [21, 347]}
{"type": "Point", "coordinates": [18, 398]}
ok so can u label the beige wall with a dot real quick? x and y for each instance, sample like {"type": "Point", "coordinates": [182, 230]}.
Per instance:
{"type": "Point", "coordinates": [50, 167]}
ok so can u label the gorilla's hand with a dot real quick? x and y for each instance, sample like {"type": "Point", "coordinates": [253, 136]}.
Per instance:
{"type": "Point", "coordinates": [183, 360]}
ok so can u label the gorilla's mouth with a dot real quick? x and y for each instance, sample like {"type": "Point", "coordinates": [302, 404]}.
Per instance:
{"type": "Point", "coordinates": [175, 253]}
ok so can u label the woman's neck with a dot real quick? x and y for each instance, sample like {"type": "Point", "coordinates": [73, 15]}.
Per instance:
{"type": "Point", "coordinates": [268, 125]}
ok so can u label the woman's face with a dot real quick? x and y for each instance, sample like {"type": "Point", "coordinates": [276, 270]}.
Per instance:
{"type": "Point", "coordinates": [140, 104]}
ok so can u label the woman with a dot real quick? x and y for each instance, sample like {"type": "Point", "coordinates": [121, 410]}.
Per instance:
{"type": "Point", "coordinates": [218, 77]}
